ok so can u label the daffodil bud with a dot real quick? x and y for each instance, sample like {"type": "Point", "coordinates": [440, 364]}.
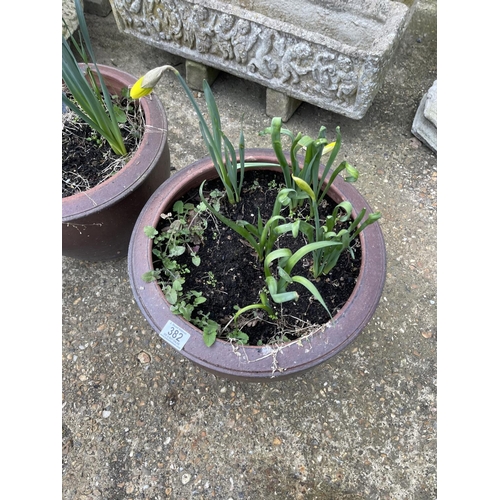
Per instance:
{"type": "Point", "coordinates": [302, 184]}
{"type": "Point", "coordinates": [137, 91]}
{"type": "Point", "coordinates": [329, 147]}
{"type": "Point", "coordinates": [146, 83]}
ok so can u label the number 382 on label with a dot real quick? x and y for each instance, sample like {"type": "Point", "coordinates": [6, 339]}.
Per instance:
{"type": "Point", "coordinates": [174, 335]}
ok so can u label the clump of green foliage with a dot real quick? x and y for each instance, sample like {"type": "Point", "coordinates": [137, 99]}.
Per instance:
{"type": "Point", "coordinates": [90, 98]}
{"type": "Point", "coordinates": [306, 183]}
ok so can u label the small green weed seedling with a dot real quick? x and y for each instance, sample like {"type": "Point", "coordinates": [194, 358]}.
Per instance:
{"type": "Point", "coordinates": [184, 233]}
{"type": "Point", "coordinates": [210, 279]}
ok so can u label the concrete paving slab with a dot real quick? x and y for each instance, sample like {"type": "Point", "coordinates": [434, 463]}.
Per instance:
{"type": "Point", "coordinates": [141, 422]}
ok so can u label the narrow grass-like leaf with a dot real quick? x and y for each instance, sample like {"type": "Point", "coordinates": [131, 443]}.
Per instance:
{"type": "Point", "coordinates": [301, 252]}
{"type": "Point", "coordinates": [280, 253]}
{"type": "Point", "coordinates": [213, 112]}
{"type": "Point", "coordinates": [295, 147]}
{"type": "Point", "coordinates": [333, 155]}
{"type": "Point", "coordinates": [99, 115]}
{"type": "Point", "coordinates": [245, 309]}
{"type": "Point", "coordinates": [241, 148]}
{"type": "Point", "coordinates": [231, 167]}
{"type": "Point", "coordinates": [114, 128]}
{"type": "Point", "coordinates": [278, 149]}
{"type": "Point", "coordinates": [279, 296]}
{"type": "Point", "coordinates": [337, 171]}
{"type": "Point", "coordinates": [296, 227]}
{"type": "Point", "coordinates": [370, 220]}
{"type": "Point", "coordinates": [242, 231]}
{"type": "Point", "coordinates": [312, 289]}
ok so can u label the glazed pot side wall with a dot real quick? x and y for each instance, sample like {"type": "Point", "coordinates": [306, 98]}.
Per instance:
{"type": "Point", "coordinates": [97, 223]}
{"type": "Point", "coordinates": [253, 363]}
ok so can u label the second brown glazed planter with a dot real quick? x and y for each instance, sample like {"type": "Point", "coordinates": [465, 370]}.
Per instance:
{"type": "Point", "coordinates": [254, 363]}
{"type": "Point", "coordinates": [97, 223]}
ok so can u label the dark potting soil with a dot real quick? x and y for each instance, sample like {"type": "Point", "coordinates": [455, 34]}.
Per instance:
{"type": "Point", "coordinates": [230, 274]}
{"type": "Point", "coordinates": [88, 160]}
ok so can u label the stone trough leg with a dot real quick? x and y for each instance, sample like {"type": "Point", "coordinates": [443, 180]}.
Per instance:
{"type": "Point", "coordinates": [277, 103]}
{"type": "Point", "coordinates": [197, 72]}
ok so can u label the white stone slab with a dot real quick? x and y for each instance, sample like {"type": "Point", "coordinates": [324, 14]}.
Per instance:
{"type": "Point", "coordinates": [425, 122]}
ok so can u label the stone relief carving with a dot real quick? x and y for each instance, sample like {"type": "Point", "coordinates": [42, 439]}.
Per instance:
{"type": "Point", "coordinates": [266, 53]}
{"type": "Point", "coordinates": [347, 81]}
{"type": "Point", "coordinates": [69, 16]}
{"type": "Point", "coordinates": [294, 63]}
{"type": "Point", "coordinates": [171, 21]}
{"type": "Point", "coordinates": [265, 61]}
{"type": "Point", "coordinates": [198, 29]}
{"type": "Point", "coordinates": [244, 39]}
{"type": "Point", "coordinates": [335, 74]}
{"type": "Point", "coordinates": [224, 31]}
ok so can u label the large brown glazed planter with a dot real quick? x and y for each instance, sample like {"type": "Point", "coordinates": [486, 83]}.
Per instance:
{"type": "Point", "coordinates": [252, 363]}
{"type": "Point", "coordinates": [97, 224]}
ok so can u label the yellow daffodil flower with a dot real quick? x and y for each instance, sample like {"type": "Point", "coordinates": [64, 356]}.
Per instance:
{"type": "Point", "coordinates": [137, 91]}
{"type": "Point", "coordinates": [304, 186]}
{"type": "Point", "coordinates": [328, 148]}
{"type": "Point", "coordinates": [146, 83]}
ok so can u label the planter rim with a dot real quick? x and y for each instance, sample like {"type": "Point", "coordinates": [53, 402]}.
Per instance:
{"type": "Point", "coordinates": [133, 173]}
{"type": "Point", "coordinates": [257, 363]}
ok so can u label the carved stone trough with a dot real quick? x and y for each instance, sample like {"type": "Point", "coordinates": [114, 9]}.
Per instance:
{"type": "Point", "coordinates": [330, 53]}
